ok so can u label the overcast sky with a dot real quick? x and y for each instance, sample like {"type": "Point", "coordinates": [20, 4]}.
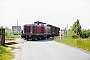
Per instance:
{"type": "Point", "coordinates": [55, 12]}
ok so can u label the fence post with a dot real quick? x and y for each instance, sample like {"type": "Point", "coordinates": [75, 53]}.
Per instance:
{"type": "Point", "coordinates": [3, 37]}
{"type": "Point", "coordinates": [0, 37]}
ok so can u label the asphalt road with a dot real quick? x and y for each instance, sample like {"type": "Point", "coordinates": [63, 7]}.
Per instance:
{"type": "Point", "coordinates": [47, 50]}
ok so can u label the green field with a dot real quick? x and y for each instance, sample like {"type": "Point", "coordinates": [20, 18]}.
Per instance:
{"type": "Point", "coordinates": [79, 42]}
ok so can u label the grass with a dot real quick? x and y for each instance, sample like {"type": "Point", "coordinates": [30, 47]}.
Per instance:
{"type": "Point", "coordinates": [12, 36]}
{"type": "Point", "coordinates": [5, 54]}
{"type": "Point", "coordinates": [79, 43]}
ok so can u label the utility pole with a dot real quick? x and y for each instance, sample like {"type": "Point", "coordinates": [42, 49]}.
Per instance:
{"type": "Point", "coordinates": [60, 34]}
{"type": "Point", "coordinates": [17, 26]}
{"type": "Point", "coordinates": [67, 29]}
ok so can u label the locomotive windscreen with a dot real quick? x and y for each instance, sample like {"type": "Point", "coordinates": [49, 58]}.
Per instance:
{"type": "Point", "coordinates": [27, 29]}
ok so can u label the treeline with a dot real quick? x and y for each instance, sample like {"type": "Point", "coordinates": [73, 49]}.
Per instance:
{"type": "Point", "coordinates": [7, 31]}
{"type": "Point", "coordinates": [76, 31]}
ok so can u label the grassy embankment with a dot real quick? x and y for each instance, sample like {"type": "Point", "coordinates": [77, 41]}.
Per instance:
{"type": "Point", "coordinates": [6, 54]}
{"type": "Point", "coordinates": [79, 42]}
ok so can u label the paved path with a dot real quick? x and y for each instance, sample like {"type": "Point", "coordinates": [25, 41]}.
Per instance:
{"type": "Point", "coordinates": [47, 50]}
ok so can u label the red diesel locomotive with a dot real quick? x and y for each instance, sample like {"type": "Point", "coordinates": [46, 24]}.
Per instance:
{"type": "Point", "coordinates": [39, 30]}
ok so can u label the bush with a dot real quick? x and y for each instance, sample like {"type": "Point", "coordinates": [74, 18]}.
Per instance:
{"type": "Point", "coordinates": [75, 36]}
{"type": "Point", "coordinates": [6, 33]}
{"type": "Point", "coordinates": [85, 33]}
{"type": "Point", "coordinates": [72, 34]}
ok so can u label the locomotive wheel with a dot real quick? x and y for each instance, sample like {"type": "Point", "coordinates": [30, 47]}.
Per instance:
{"type": "Point", "coordinates": [24, 38]}
{"type": "Point", "coordinates": [27, 39]}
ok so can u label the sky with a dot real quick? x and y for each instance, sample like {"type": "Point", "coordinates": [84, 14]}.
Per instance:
{"type": "Point", "coordinates": [59, 13]}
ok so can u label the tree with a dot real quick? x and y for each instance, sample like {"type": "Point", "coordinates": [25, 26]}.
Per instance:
{"type": "Point", "coordinates": [76, 28]}
{"type": "Point", "coordinates": [72, 34]}
{"type": "Point", "coordinates": [1, 27]}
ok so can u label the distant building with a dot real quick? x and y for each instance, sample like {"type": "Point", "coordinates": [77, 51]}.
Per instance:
{"type": "Point", "coordinates": [16, 30]}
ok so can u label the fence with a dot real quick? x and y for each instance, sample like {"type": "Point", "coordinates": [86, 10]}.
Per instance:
{"type": "Point", "coordinates": [2, 37]}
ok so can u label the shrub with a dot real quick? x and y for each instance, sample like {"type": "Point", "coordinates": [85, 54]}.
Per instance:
{"type": "Point", "coordinates": [85, 33]}
{"type": "Point", "coordinates": [72, 34]}
{"type": "Point", "coordinates": [75, 36]}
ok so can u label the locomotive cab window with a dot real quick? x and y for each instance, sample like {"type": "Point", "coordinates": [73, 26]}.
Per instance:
{"type": "Point", "coordinates": [27, 29]}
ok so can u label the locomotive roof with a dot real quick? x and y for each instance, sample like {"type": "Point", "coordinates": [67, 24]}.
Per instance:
{"type": "Point", "coordinates": [39, 22]}
{"type": "Point", "coordinates": [27, 24]}
{"type": "Point", "coordinates": [32, 25]}
{"type": "Point", "coordinates": [49, 25]}
{"type": "Point", "coordinates": [52, 25]}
